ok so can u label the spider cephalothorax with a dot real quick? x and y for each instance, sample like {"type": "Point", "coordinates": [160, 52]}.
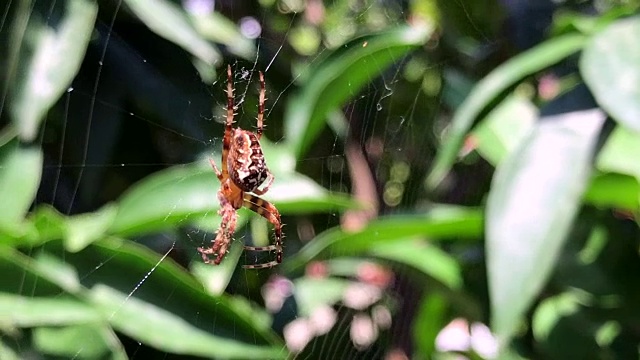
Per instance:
{"type": "Point", "coordinates": [244, 170]}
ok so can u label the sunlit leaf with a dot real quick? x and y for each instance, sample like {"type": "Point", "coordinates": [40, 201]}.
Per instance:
{"type": "Point", "coordinates": [534, 198]}
{"type": "Point", "coordinates": [504, 128]}
{"type": "Point", "coordinates": [216, 27]}
{"type": "Point", "coordinates": [144, 295]}
{"type": "Point", "coordinates": [27, 311]}
{"type": "Point", "coordinates": [313, 293]}
{"type": "Point", "coordinates": [609, 66]}
{"type": "Point", "coordinates": [48, 223]}
{"type": "Point", "coordinates": [620, 153]}
{"type": "Point", "coordinates": [81, 230]}
{"type": "Point", "coordinates": [424, 257]}
{"type": "Point", "coordinates": [440, 223]}
{"type": "Point", "coordinates": [216, 278]}
{"type": "Point", "coordinates": [51, 52]}
{"type": "Point", "coordinates": [20, 171]}
{"type": "Point", "coordinates": [156, 326]}
{"type": "Point", "coordinates": [186, 193]}
{"type": "Point", "coordinates": [98, 341]}
{"type": "Point", "coordinates": [170, 21]}
{"type": "Point", "coordinates": [340, 77]}
{"type": "Point", "coordinates": [490, 88]}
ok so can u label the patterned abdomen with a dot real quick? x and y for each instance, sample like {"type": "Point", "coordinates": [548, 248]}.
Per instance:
{"type": "Point", "coordinates": [246, 164]}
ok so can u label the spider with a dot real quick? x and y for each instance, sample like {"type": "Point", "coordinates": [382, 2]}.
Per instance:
{"type": "Point", "coordinates": [243, 171]}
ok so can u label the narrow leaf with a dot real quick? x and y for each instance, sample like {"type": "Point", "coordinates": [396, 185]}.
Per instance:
{"type": "Point", "coordinates": [534, 198]}
{"type": "Point", "coordinates": [98, 341]}
{"type": "Point", "coordinates": [54, 45]}
{"type": "Point", "coordinates": [490, 88]}
{"type": "Point", "coordinates": [609, 66]}
{"type": "Point", "coordinates": [341, 76]}
{"type": "Point", "coordinates": [170, 21]}
{"type": "Point", "coordinates": [184, 194]}
{"type": "Point", "coordinates": [440, 223]}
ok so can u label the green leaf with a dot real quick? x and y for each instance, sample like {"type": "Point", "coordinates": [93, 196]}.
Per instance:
{"type": "Point", "coordinates": [614, 190]}
{"type": "Point", "coordinates": [184, 194]}
{"type": "Point", "coordinates": [168, 331]}
{"type": "Point", "coordinates": [424, 257]}
{"type": "Point", "coordinates": [341, 76]}
{"type": "Point", "coordinates": [489, 89]}
{"type": "Point", "coordinates": [428, 323]}
{"type": "Point", "coordinates": [151, 299]}
{"type": "Point", "coordinates": [167, 198]}
{"type": "Point", "coordinates": [81, 230]}
{"type": "Point", "coordinates": [98, 341]}
{"type": "Point", "coordinates": [440, 223]}
{"type": "Point", "coordinates": [20, 172]}
{"type": "Point", "coordinates": [216, 278]}
{"type": "Point", "coordinates": [313, 293]}
{"type": "Point", "coordinates": [609, 66]}
{"type": "Point", "coordinates": [48, 223]}
{"type": "Point", "coordinates": [504, 128]}
{"type": "Point", "coordinates": [27, 311]}
{"type": "Point", "coordinates": [170, 21]}
{"type": "Point", "coordinates": [51, 52]}
{"type": "Point", "coordinates": [620, 153]}
{"type": "Point", "coordinates": [216, 27]}
{"type": "Point", "coordinates": [535, 195]}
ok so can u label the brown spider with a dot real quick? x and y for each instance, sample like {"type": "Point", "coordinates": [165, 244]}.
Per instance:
{"type": "Point", "coordinates": [243, 171]}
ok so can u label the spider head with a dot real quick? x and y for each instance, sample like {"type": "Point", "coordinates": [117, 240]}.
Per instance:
{"type": "Point", "coordinates": [246, 163]}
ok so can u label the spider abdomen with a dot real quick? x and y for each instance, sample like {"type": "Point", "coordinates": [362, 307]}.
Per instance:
{"type": "Point", "coordinates": [246, 164]}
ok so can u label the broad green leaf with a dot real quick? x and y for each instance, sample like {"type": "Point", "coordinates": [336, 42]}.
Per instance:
{"type": "Point", "coordinates": [170, 21]}
{"type": "Point", "coordinates": [424, 257]}
{"type": "Point", "coordinates": [216, 27]}
{"type": "Point", "coordinates": [620, 153]}
{"type": "Point", "coordinates": [49, 224]}
{"type": "Point", "coordinates": [534, 198]}
{"type": "Point", "coordinates": [439, 223]}
{"type": "Point", "coordinates": [20, 171]}
{"type": "Point", "coordinates": [151, 299]}
{"type": "Point", "coordinates": [28, 311]}
{"type": "Point", "coordinates": [83, 229]}
{"type": "Point", "coordinates": [609, 66]}
{"type": "Point", "coordinates": [166, 199]}
{"type": "Point", "coordinates": [504, 128]}
{"type": "Point", "coordinates": [168, 331]}
{"type": "Point", "coordinates": [183, 194]}
{"type": "Point", "coordinates": [216, 278]}
{"type": "Point", "coordinates": [313, 293]}
{"type": "Point", "coordinates": [614, 190]}
{"type": "Point", "coordinates": [340, 77]}
{"type": "Point", "coordinates": [490, 88]}
{"type": "Point", "coordinates": [51, 52]}
{"type": "Point", "coordinates": [98, 341]}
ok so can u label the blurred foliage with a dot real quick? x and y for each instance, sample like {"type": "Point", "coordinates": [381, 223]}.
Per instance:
{"type": "Point", "coordinates": [439, 166]}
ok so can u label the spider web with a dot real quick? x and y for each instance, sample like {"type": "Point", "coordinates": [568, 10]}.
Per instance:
{"type": "Point", "coordinates": [130, 113]}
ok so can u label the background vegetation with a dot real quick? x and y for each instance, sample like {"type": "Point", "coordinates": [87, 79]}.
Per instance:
{"type": "Point", "coordinates": [439, 165]}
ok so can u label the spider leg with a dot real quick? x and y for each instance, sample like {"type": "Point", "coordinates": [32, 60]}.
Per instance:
{"type": "Point", "coordinates": [215, 168]}
{"type": "Point", "coordinates": [223, 237]}
{"type": "Point", "coordinates": [269, 212]}
{"type": "Point", "coordinates": [261, 101]}
{"type": "Point", "coordinates": [265, 188]}
{"type": "Point", "coordinates": [228, 128]}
